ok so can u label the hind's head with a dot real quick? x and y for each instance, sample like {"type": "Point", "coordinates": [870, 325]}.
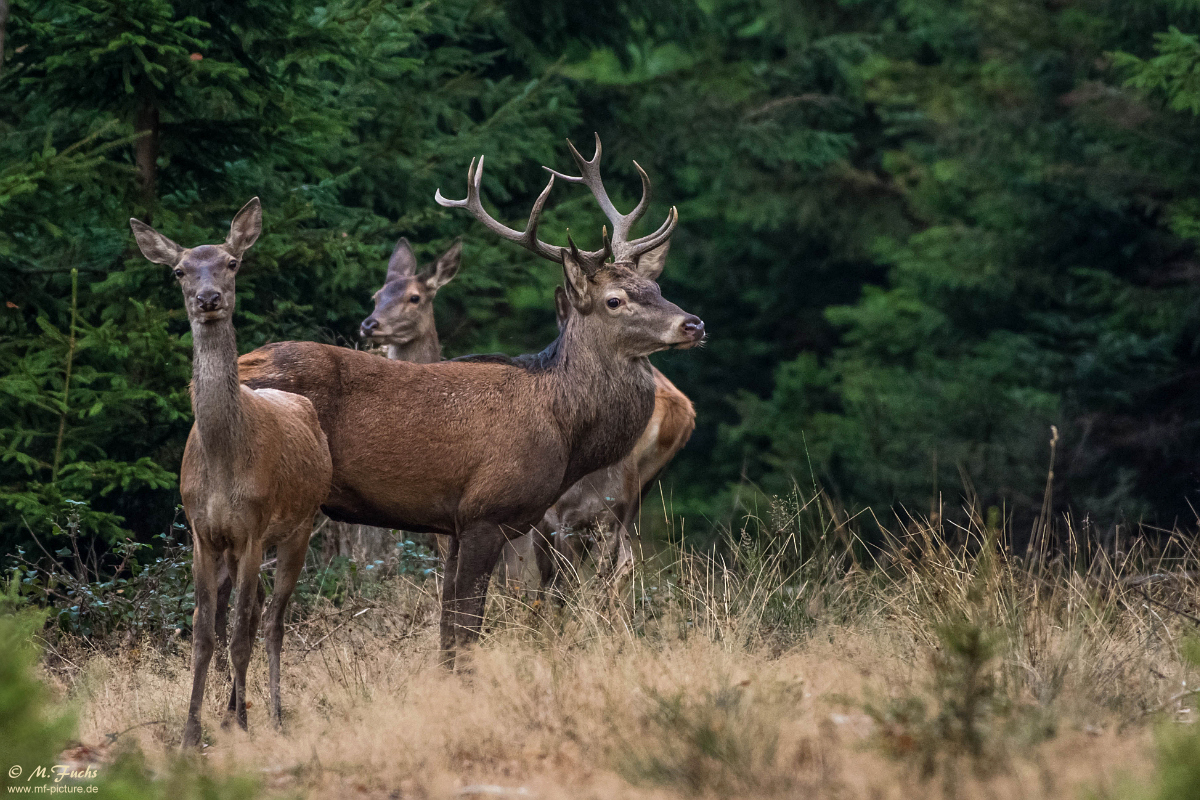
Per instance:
{"type": "Point", "coordinates": [206, 273]}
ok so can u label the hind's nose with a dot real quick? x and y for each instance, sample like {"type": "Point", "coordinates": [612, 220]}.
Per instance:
{"type": "Point", "coordinates": [209, 300]}
{"type": "Point", "coordinates": [693, 327]}
{"type": "Point", "coordinates": [368, 327]}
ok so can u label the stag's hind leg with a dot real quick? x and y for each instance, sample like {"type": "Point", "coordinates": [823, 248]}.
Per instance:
{"type": "Point", "coordinates": [289, 563]}
{"type": "Point", "coordinates": [204, 573]}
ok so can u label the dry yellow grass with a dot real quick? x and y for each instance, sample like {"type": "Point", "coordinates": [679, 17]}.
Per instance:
{"type": "Point", "coordinates": [745, 681]}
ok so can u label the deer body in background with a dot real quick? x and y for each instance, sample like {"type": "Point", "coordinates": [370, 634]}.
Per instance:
{"type": "Point", "coordinates": [480, 450]}
{"type": "Point", "coordinates": [255, 468]}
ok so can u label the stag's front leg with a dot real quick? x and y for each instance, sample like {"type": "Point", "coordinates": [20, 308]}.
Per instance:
{"type": "Point", "coordinates": [479, 547]}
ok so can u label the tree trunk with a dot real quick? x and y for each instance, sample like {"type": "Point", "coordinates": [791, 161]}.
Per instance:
{"type": "Point", "coordinates": [3, 27]}
{"type": "Point", "coordinates": [146, 146]}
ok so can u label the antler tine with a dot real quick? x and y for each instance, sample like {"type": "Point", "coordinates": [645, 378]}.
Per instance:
{"type": "Point", "coordinates": [646, 243]}
{"type": "Point", "coordinates": [473, 203]}
{"type": "Point", "coordinates": [589, 176]}
{"type": "Point", "coordinates": [640, 208]}
{"type": "Point", "coordinates": [619, 247]}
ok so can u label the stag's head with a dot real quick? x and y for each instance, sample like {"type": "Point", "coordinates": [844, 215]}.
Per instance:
{"type": "Point", "coordinates": [611, 292]}
{"type": "Point", "coordinates": [206, 273]}
{"type": "Point", "coordinates": [404, 306]}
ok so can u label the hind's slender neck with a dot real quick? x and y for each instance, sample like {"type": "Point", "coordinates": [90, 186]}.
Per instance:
{"type": "Point", "coordinates": [424, 349]}
{"type": "Point", "coordinates": [216, 394]}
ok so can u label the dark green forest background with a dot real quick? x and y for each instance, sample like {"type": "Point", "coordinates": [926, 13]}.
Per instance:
{"type": "Point", "coordinates": [920, 232]}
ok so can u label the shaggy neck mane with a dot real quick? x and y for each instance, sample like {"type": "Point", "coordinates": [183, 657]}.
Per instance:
{"type": "Point", "coordinates": [602, 401]}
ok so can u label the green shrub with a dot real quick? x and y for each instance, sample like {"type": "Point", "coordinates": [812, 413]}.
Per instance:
{"type": "Point", "coordinates": [33, 732]}
{"type": "Point", "coordinates": [29, 732]}
{"type": "Point", "coordinates": [147, 592]}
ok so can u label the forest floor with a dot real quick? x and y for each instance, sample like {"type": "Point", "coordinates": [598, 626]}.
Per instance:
{"type": "Point", "coordinates": [929, 675]}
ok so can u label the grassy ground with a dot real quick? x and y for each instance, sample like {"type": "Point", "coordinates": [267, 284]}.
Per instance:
{"type": "Point", "coordinates": [784, 669]}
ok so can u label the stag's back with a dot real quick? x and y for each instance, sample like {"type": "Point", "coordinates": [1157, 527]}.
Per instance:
{"type": "Point", "coordinates": [424, 444]}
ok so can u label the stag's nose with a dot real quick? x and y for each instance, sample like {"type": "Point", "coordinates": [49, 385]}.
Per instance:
{"type": "Point", "coordinates": [209, 299]}
{"type": "Point", "coordinates": [368, 327]}
{"type": "Point", "coordinates": [693, 327]}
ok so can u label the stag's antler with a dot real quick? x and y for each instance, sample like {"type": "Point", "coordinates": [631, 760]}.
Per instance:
{"type": "Point", "coordinates": [527, 239]}
{"type": "Point", "coordinates": [619, 247]}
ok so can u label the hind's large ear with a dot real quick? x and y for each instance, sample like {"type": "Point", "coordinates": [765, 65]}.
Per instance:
{"type": "Point", "coordinates": [562, 307]}
{"type": "Point", "coordinates": [403, 263]}
{"type": "Point", "coordinates": [245, 228]}
{"type": "Point", "coordinates": [446, 267]}
{"type": "Point", "coordinates": [154, 246]}
{"type": "Point", "coordinates": [650, 263]}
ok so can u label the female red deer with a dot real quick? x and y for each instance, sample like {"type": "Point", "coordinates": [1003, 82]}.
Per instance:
{"type": "Point", "coordinates": [255, 468]}
{"type": "Point", "coordinates": [482, 449]}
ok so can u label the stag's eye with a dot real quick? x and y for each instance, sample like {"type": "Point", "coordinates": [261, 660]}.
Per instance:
{"type": "Point", "coordinates": [614, 302]}
{"type": "Point", "coordinates": [178, 273]}
{"type": "Point", "coordinates": [416, 298]}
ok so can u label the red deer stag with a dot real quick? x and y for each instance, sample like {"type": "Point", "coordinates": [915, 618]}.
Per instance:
{"type": "Point", "coordinates": [603, 507]}
{"type": "Point", "coordinates": [255, 469]}
{"type": "Point", "coordinates": [484, 448]}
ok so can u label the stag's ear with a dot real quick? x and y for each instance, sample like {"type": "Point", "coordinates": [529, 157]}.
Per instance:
{"type": "Point", "coordinates": [576, 278]}
{"type": "Point", "coordinates": [245, 228]}
{"type": "Point", "coordinates": [446, 267]}
{"type": "Point", "coordinates": [403, 263]}
{"type": "Point", "coordinates": [154, 246]}
{"type": "Point", "coordinates": [650, 263]}
{"type": "Point", "coordinates": [562, 307]}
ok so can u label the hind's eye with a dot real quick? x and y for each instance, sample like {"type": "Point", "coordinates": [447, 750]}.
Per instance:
{"type": "Point", "coordinates": [614, 302]}
{"type": "Point", "coordinates": [178, 273]}
{"type": "Point", "coordinates": [416, 298]}
{"type": "Point", "coordinates": [233, 265]}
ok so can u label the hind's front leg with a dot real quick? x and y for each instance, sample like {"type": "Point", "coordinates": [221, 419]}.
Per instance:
{"type": "Point", "coordinates": [204, 573]}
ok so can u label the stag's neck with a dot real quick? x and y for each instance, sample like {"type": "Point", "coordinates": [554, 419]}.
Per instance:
{"type": "Point", "coordinates": [602, 401]}
{"type": "Point", "coordinates": [216, 394]}
{"type": "Point", "coordinates": [425, 349]}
